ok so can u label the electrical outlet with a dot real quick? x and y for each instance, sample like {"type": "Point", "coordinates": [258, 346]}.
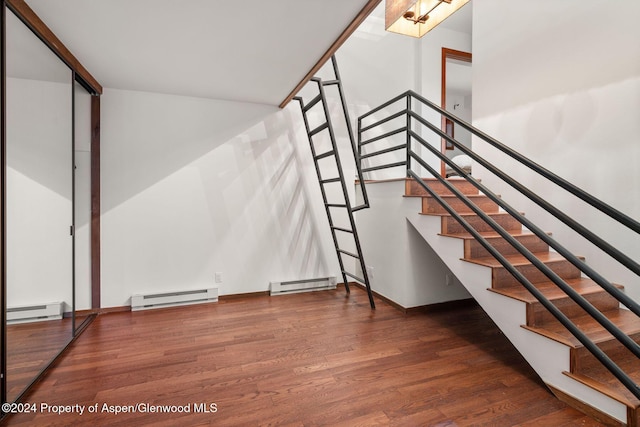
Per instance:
{"type": "Point", "coordinates": [370, 272]}
{"type": "Point", "coordinates": [218, 277]}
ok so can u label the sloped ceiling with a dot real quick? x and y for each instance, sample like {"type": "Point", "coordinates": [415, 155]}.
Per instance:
{"type": "Point", "coordinates": [250, 51]}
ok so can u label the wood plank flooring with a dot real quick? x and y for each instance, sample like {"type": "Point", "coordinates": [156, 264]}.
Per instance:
{"type": "Point", "coordinates": [314, 359]}
{"type": "Point", "coordinates": [30, 347]}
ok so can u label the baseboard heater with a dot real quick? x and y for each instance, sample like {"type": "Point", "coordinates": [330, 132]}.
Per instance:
{"type": "Point", "coordinates": [306, 285]}
{"type": "Point", "coordinates": [173, 299]}
{"type": "Point", "coordinates": [34, 313]}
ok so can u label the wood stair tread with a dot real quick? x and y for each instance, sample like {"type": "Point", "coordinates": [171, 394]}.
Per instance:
{"type": "Point", "coordinates": [517, 259]}
{"type": "Point", "coordinates": [414, 188]}
{"type": "Point", "coordinates": [585, 368]}
{"type": "Point", "coordinates": [610, 387]}
{"type": "Point", "coordinates": [582, 285]}
{"type": "Point", "coordinates": [487, 235]}
{"type": "Point", "coordinates": [601, 375]}
{"type": "Point", "coordinates": [625, 320]}
{"type": "Point", "coordinates": [447, 196]}
{"type": "Point", "coordinates": [468, 214]}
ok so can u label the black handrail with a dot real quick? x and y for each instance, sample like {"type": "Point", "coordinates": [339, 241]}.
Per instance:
{"type": "Point", "coordinates": [581, 194]}
{"type": "Point", "coordinates": [557, 280]}
{"type": "Point", "coordinates": [588, 234]}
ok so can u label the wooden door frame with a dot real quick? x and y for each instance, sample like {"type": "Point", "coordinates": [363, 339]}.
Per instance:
{"type": "Point", "coordinates": [448, 54]}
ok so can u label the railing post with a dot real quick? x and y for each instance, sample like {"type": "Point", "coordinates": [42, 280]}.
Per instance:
{"type": "Point", "coordinates": [359, 159]}
{"type": "Point", "coordinates": [408, 134]}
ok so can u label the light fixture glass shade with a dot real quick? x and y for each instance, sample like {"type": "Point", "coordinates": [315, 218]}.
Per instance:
{"type": "Point", "coordinates": [437, 10]}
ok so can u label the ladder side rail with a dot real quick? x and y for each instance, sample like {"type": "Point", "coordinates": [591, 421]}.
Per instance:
{"type": "Point", "coordinates": [352, 140]}
{"type": "Point", "coordinates": [323, 192]}
{"type": "Point", "coordinates": [346, 196]}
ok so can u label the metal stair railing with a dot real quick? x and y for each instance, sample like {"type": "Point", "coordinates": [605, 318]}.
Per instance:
{"type": "Point", "coordinates": [334, 153]}
{"type": "Point", "coordinates": [412, 156]}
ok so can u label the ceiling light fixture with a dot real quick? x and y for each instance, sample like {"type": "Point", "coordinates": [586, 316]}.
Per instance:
{"type": "Point", "coordinates": [417, 17]}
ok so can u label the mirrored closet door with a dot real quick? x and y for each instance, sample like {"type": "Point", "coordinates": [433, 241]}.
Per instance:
{"type": "Point", "coordinates": [82, 205]}
{"type": "Point", "coordinates": [39, 206]}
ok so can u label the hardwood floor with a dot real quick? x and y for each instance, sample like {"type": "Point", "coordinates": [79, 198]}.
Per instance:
{"type": "Point", "coordinates": [313, 359]}
{"type": "Point", "coordinates": [30, 347]}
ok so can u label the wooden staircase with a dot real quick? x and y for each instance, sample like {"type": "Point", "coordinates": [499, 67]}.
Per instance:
{"type": "Point", "coordinates": [584, 368]}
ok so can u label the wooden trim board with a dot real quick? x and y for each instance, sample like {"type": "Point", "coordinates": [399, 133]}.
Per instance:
{"type": "Point", "coordinates": [360, 17]}
{"type": "Point", "coordinates": [29, 17]}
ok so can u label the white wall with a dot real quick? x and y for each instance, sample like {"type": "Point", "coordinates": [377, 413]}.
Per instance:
{"type": "Point", "coordinates": [565, 91]}
{"type": "Point", "coordinates": [193, 186]}
{"type": "Point", "coordinates": [431, 77]}
{"type": "Point", "coordinates": [376, 66]}
{"type": "Point", "coordinates": [404, 267]}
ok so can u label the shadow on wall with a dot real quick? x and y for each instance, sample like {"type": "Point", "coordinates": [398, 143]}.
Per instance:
{"type": "Point", "coordinates": [146, 137]}
{"type": "Point", "coordinates": [39, 133]}
{"type": "Point", "coordinates": [196, 186]}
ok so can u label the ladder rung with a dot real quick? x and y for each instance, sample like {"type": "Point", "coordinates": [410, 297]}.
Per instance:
{"type": "Point", "coordinates": [327, 181]}
{"type": "Point", "coordinates": [335, 205]}
{"type": "Point", "coordinates": [342, 251]}
{"type": "Point", "coordinates": [323, 155]}
{"type": "Point", "coordinates": [359, 279]}
{"type": "Point", "coordinates": [330, 82]}
{"type": "Point", "coordinates": [311, 103]}
{"type": "Point", "coordinates": [346, 230]}
{"type": "Point", "coordinates": [319, 129]}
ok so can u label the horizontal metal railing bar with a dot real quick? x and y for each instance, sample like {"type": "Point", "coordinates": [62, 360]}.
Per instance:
{"type": "Point", "coordinates": [390, 165]}
{"type": "Point", "coordinates": [351, 254]}
{"type": "Point", "coordinates": [385, 120]}
{"type": "Point", "coordinates": [346, 230]}
{"type": "Point", "coordinates": [353, 276]}
{"type": "Point", "coordinates": [330, 82]}
{"type": "Point", "coordinates": [543, 235]}
{"type": "Point", "coordinates": [335, 205]}
{"type": "Point", "coordinates": [562, 318]}
{"type": "Point", "coordinates": [312, 103]}
{"type": "Point", "coordinates": [603, 207]}
{"type": "Point", "coordinates": [614, 252]}
{"type": "Point", "coordinates": [324, 155]}
{"type": "Point", "coordinates": [360, 207]}
{"type": "Point", "coordinates": [541, 266]}
{"type": "Point", "coordinates": [386, 104]}
{"type": "Point", "coordinates": [383, 136]}
{"type": "Point", "coordinates": [319, 129]}
{"type": "Point", "coordinates": [386, 150]}
{"type": "Point", "coordinates": [561, 182]}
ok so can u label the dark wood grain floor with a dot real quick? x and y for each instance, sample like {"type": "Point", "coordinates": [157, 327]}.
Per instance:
{"type": "Point", "coordinates": [316, 359]}
{"type": "Point", "coordinates": [30, 347]}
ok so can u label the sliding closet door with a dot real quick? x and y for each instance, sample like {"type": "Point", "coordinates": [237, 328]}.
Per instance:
{"type": "Point", "coordinates": [82, 203]}
{"type": "Point", "coordinates": [39, 206]}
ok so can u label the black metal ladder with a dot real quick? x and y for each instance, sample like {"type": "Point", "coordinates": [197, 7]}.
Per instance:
{"type": "Point", "coordinates": [325, 179]}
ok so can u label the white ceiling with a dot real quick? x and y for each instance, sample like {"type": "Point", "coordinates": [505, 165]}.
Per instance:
{"type": "Point", "coordinates": [251, 51]}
